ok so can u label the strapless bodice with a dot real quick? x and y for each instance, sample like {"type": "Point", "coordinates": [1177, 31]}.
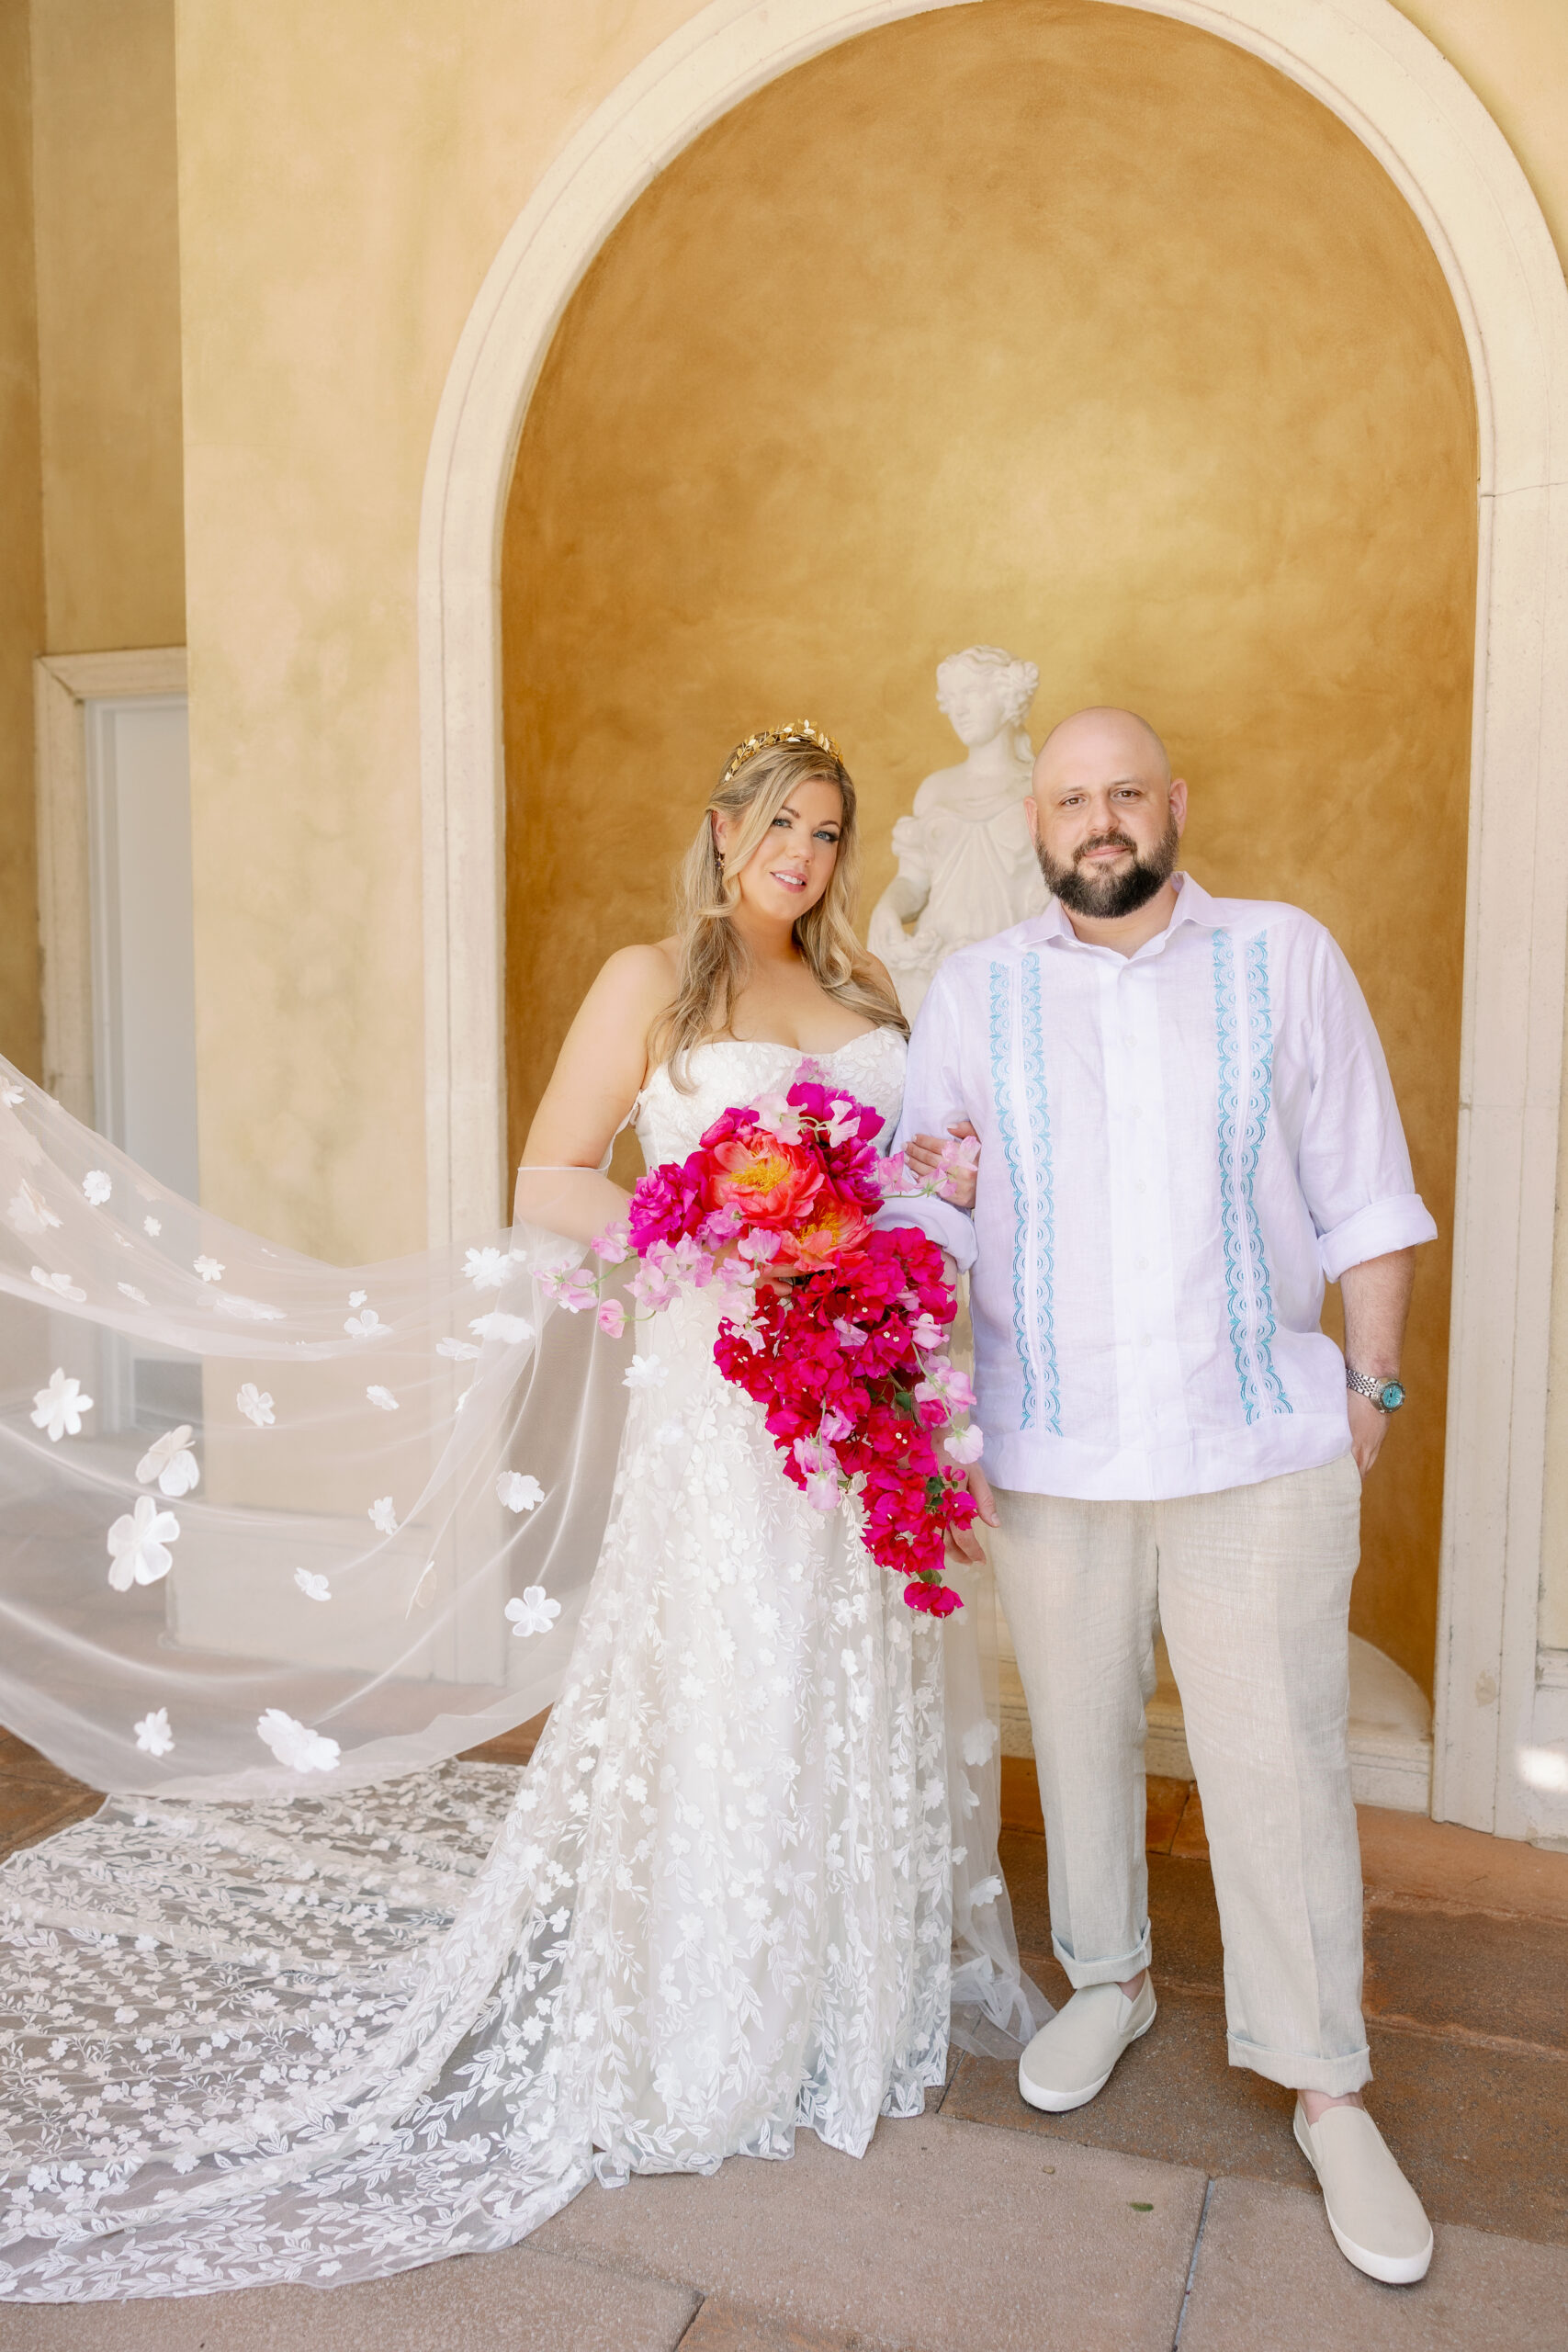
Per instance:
{"type": "Point", "coordinates": [726, 1071]}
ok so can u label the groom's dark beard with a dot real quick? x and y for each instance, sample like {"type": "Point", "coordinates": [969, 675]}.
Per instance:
{"type": "Point", "coordinates": [1103, 897]}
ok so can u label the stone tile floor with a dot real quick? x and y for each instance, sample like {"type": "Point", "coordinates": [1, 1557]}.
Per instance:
{"type": "Point", "coordinates": [1173, 2212]}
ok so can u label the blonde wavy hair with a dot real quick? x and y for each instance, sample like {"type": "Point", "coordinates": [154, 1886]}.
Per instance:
{"type": "Point", "coordinates": [714, 962]}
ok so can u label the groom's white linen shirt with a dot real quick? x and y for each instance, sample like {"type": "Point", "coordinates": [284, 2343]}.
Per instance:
{"type": "Point", "coordinates": [1178, 1149]}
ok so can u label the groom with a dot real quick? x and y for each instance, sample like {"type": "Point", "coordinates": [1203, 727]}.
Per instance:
{"type": "Point", "coordinates": [1187, 1129]}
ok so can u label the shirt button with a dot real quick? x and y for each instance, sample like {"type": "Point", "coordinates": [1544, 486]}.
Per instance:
{"type": "Point", "coordinates": [1140, 1186]}
{"type": "Point", "coordinates": [1142, 1264]}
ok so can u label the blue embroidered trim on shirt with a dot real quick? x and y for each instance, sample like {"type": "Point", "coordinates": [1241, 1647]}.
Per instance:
{"type": "Point", "coordinates": [1261, 1023]}
{"type": "Point", "coordinates": [1044, 1204]}
{"type": "Point", "coordinates": [1244, 1100]}
{"type": "Point", "coordinates": [1001, 1093]}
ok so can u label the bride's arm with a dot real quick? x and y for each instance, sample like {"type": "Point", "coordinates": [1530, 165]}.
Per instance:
{"type": "Point", "coordinates": [596, 1080]}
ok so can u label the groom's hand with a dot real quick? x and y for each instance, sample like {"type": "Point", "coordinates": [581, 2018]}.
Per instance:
{"type": "Point", "coordinates": [1367, 1430]}
{"type": "Point", "coordinates": [966, 1543]}
{"type": "Point", "coordinates": [924, 1155]}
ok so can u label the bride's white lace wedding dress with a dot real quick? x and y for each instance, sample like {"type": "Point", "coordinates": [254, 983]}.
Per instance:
{"type": "Point", "coordinates": [329, 2039]}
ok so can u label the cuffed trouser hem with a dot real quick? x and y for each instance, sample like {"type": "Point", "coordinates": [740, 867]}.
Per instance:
{"type": "Point", "coordinates": [1081, 1972]}
{"type": "Point", "coordinates": [1334, 2077]}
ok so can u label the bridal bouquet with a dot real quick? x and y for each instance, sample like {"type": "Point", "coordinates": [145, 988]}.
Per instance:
{"type": "Point", "coordinates": [836, 1325]}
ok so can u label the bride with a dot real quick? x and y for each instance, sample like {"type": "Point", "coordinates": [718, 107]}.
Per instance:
{"type": "Point", "coordinates": [748, 1880]}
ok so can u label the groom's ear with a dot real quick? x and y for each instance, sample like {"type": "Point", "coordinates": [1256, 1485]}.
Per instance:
{"type": "Point", "coordinates": [1178, 802]}
{"type": "Point", "coordinates": [1032, 810]}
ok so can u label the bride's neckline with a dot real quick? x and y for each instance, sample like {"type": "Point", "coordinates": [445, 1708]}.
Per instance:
{"type": "Point", "coordinates": [765, 1045]}
{"type": "Point", "coordinates": [806, 1053]}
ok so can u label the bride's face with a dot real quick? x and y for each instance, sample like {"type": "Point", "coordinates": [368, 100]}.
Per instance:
{"type": "Point", "coordinates": [792, 866]}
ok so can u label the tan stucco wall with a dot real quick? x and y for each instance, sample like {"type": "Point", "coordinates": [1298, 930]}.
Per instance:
{"type": "Point", "coordinates": [921, 362]}
{"type": "Point", "coordinates": [108, 322]}
{"type": "Point", "coordinates": [21, 563]}
{"type": "Point", "coordinates": [347, 176]}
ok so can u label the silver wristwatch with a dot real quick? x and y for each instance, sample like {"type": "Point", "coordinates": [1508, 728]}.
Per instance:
{"type": "Point", "coordinates": [1388, 1396]}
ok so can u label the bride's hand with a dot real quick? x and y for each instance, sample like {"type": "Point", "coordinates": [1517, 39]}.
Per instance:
{"type": "Point", "coordinates": [923, 1154]}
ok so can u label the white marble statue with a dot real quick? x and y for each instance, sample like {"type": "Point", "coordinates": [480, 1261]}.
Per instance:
{"type": "Point", "coordinates": [966, 866]}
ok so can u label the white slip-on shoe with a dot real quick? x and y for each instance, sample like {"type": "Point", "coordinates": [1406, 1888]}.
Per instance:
{"type": "Point", "coordinates": [1376, 2217]}
{"type": "Point", "coordinates": [1073, 2057]}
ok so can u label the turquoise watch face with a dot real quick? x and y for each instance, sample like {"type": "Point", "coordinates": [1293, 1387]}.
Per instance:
{"type": "Point", "coordinates": [1393, 1396]}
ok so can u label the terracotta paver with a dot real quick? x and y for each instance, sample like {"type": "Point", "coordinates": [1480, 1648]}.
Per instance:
{"type": "Point", "coordinates": [1270, 2278]}
{"type": "Point", "coordinates": [1165, 1802]}
{"type": "Point", "coordinates": [1191, 1839]}
{"type": "Point", "coordinates": [1437, 1861]}
{"type": "Point", "coordinates": [1505, 1978]}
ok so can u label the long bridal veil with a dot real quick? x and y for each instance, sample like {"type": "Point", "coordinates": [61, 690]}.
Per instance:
{"type": "Point", "coordinates": [273, 1529]}
{"type": "Point", "coordinates": [262, 1519]}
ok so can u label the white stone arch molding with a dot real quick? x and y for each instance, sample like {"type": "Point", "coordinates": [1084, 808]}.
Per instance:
{"type": "Point", "coordinates": [1430, 132]}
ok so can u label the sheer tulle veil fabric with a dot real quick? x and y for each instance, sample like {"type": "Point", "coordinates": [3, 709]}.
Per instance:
{"type": "Point", "coordinates": [374, 1462]}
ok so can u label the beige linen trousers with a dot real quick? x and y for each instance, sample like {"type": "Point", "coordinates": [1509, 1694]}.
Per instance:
{"type": "Point", "coordinates": [1252, 1589]}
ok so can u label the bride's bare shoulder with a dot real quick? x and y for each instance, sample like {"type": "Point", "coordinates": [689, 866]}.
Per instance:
{"type": "Point", "coordinates": [639, 977]}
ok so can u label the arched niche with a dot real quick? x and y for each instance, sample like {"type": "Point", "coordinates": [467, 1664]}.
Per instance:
{"type": "Point", "coordinates": [1428, 133]}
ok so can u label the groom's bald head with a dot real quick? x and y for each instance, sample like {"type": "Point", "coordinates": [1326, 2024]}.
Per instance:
{"type": "Point", "coordinates": [1100, 733]}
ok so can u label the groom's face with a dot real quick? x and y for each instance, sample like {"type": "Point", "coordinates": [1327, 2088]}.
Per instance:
{"type": "Point", "coordinates": [1106, 815]}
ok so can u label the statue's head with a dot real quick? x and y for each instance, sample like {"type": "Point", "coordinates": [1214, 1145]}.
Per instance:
{"type": "Point", "coordinates": [983, 691]}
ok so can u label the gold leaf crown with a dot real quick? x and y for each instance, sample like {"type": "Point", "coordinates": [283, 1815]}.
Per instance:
{"type": "Point", "coordinates": [793, 730]}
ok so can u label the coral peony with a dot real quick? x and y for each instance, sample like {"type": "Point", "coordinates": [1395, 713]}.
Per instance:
{"type": "Point", "coordinates": [835, 1228]}
{"type": "Point", "coordinates": [771, 1183]}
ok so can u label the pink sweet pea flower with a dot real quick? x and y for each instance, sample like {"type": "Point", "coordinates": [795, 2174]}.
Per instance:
{"type": "Point", "coordinates": [611, 1318]}
{"type": "Point", "coordinates": [779, 1117]}
{"type": "Point", "coordinates": [572, 1289]}
{"type": "Point", "coordinates": [893, 1178]}
{"type": "Point", "coordinates": [822, 1490]}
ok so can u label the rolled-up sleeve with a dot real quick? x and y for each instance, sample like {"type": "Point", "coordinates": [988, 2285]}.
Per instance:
{"type": "Point", "coordinates": [934, 1099]}
{"type": "Point", "coordinates": [1353, 1162]}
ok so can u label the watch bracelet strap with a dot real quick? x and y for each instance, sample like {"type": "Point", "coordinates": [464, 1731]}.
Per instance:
{"type": "Point", "coordinates": [1369, 1385]}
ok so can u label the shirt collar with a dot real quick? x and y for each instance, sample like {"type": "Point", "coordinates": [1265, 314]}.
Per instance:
{"type": "Point", "coordinates": [1193, 905]}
